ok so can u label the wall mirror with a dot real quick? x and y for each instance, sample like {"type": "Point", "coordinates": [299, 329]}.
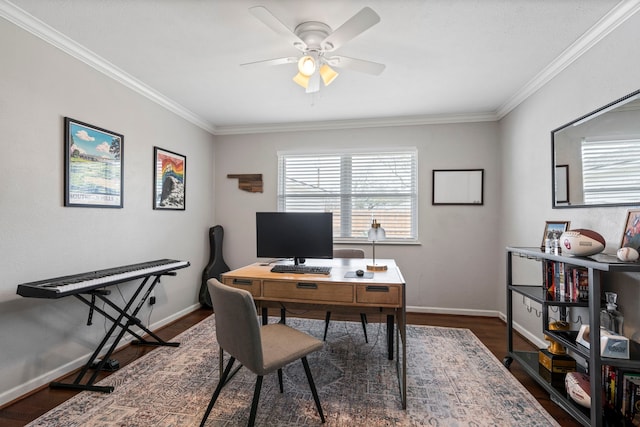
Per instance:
{"type": "Point", "coordinates": [596, 158]}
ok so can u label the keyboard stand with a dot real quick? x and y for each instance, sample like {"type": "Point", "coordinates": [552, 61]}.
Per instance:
{"type": "Point", "coordinates": [118, 322]}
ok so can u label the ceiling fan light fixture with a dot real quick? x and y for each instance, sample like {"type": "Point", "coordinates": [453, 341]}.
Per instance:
{"type": "Point", "coordinates": [307, 65]}
{"type": "Point", "coordinates": [328, 74]}
{"type": "Point", "coordinates": [302, 80]}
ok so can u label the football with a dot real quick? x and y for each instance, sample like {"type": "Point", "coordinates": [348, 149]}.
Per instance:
{"type": "Point", "coordinates": [581, 242]}
{"type": "Point", "coordinates": [578, 388]}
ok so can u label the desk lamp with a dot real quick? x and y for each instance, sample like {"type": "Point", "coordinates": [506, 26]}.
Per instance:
{"type": "Point", "coordinates": [376, 234]}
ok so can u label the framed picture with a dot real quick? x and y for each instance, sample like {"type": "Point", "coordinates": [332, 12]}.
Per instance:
{"type": "Point", "coordinates": [169, 185]}
{"type": "Point", "coordinates": [553, 230]}
{"type": "Point", "coordinates": [562, 184]}
{"type": "Point", "coordinates": [458, 187]}
{"type": "Point", "coordinates": [631, 232]}
{"type": "Point", "coordinates": [93, 166]}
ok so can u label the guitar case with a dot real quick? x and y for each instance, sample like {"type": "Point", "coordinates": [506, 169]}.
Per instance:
{"type": "Point", "coordinates": [216, 265]}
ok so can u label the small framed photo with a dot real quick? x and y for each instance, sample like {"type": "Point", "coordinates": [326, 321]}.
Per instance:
{"type": "Point", "coordinates": [631, 232]}
{"type": "Point", "coordinates": [553, 230]}
{"type": "Point", "coordinates": [169, 180]}
{"type": "Point", "coordinates": [93, 166]}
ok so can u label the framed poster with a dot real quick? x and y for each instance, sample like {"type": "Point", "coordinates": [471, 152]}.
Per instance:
{"type": "Point", "coordinates": [93, 166]}
{"type": "Point", "coordinates": [169, 185]}
{"type": "Point", "coordinates": [631, 232]}
{"type": "Point", "coordinates": [458, 187]}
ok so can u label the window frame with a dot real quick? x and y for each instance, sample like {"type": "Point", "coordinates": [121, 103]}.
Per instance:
{"type": "Point", "coordinates": [346, 197]}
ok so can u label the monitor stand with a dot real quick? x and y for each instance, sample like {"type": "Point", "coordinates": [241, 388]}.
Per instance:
{"type": "Point", "coordinates": [298, 261]}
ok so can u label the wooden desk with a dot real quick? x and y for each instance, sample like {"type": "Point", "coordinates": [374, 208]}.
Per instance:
{"type": "Point", "coordinates": [383, 293]}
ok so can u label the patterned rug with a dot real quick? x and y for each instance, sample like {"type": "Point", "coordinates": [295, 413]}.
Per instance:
{"type": "Point", "coordinates": [453, 380]}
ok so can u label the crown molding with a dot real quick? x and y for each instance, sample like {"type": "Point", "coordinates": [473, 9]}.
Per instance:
{"type": "Point", "coordinates": [618, 15]}
{"type": "Point", "coordinates": [354, 124]}
{"type": "Point", "coordinates": [612, 20]}
{"type": "Point", "coordinates": [19, 17]}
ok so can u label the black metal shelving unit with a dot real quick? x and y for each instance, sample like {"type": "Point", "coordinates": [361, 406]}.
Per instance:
{"type": "Point", "coordinates": [596, 266]}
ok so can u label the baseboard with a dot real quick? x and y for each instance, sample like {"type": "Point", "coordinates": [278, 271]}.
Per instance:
{"type": "Point", "coordinates": [44, 379]}
{"type": "Point", "coordinates": [455, 311]}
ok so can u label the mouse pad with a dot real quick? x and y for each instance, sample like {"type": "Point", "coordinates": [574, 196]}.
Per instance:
{"type": "Point", "coordinates": [353, 275]}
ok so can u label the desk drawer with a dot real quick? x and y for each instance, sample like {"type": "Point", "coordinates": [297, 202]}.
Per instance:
{"type": "Point", "coordinates": [378, 294]}
{"type": "Point", "coordinates": [252, 286]}
{"type": "Point", "coordinates": [308, 291]}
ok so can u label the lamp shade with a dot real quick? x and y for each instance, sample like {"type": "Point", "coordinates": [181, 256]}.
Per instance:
{"type": "Point", "coordinates": [307, 65]}
{"type": "Point", "coordinates": [376, 232]}
{"type": "Point", "coordinates": [301, 79]}
{"type": "Point", "coordinates": [328, 74]}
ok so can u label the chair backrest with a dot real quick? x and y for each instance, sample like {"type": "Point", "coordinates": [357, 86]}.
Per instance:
{"type": "Point", "coordinates": [237, 324]}
{"type": "Point", "coordinates": [348, 253]}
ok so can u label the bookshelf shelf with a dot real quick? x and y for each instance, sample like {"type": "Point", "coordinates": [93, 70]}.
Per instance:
{"type": "Point", "coordinates": [595, 268]}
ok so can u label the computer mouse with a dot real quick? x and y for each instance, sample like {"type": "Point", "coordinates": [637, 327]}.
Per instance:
{"type": "Point", "coordinates": [359, 273]}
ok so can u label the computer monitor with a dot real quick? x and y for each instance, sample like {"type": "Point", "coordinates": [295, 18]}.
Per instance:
{"type": "Point", "coordinates": [297, 235]}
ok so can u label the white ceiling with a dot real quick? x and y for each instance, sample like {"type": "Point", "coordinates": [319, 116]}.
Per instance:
{"type": "Point", "coordinates": [445, 59]}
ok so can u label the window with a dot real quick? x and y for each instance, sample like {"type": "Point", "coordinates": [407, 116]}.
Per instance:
{"type": "Point", "coordinates": [356, 187]}
{"type": "Point", "coordinates": [610, 172]}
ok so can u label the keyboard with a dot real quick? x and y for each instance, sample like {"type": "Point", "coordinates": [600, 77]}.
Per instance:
{"type": "Point", "coordinates": [300, 269]}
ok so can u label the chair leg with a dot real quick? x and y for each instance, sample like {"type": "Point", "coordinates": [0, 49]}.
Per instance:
{"type": "Point", "coordinates": [216, 393]}
{"type": "Point", "coordinates": [254, 404]}
{"type": "Point", "coordinates": [363, 319]}
{"type": "Point", "coordinates": [312, 386]}
{"type": "Point", "coordinates": [326, 325]}
{"type": "Point", "coordinates": [280, 380]}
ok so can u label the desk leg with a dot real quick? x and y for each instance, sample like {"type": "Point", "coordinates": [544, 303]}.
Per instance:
{"type": "Point", "coordinates": [265, 315]}
{"type": "Point", "coordinates": [390, 328]}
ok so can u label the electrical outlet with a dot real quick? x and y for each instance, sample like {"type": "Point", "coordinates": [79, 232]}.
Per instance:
{"type": "Point", "coordinates": [152, 298]}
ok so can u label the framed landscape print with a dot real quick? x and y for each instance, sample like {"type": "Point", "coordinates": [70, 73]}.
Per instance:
{"type": "Point", "coordinates": [93, 166]}
{"type": "Point", "coordinates": [169, 175]}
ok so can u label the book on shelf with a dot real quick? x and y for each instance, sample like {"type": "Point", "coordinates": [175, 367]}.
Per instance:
{"type": "Point", "coordinates": [563, 282]}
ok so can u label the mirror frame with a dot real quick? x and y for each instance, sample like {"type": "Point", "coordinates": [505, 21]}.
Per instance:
{"type": "Point", "coordinates": [554, 166]}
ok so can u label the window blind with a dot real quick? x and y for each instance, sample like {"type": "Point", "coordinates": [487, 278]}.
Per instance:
{"type": "Point", "coordinates": [610, 173]}
{"type": "Point", "coordinates": [356, 187]}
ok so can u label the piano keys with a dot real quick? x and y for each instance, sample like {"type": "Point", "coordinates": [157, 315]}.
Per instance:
{"type": "Point", "coordinates": [84, 282]}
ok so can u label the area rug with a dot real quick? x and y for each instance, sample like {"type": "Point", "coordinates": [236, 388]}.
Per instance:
{"type": "Point", "coordinates": [453, 380]}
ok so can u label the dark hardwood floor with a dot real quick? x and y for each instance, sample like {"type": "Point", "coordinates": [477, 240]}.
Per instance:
{"type": "Point", "coordinates": [491, 331]}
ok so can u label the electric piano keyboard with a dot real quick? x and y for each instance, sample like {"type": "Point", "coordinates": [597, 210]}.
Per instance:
{"type": "Point", "coordinates": [81, 283]}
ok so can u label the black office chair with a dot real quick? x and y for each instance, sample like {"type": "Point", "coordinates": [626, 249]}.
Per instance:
{"type": "Point", "coordinates": [347, 253]}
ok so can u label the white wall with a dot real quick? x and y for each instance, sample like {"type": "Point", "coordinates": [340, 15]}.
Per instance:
{"type": "Point", "coordinates": [605, 73]}
{"type": "Point", "coordinates": [40, 238]}
{"type": "Point", "coordinates": [452, 269]}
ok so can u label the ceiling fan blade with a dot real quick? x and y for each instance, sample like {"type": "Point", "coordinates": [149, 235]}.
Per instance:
{"type": "Point", "coordinates": [266, 62]}
{"type": "Point", "coordinates": [361, 65]}
{"type": "Point", "coordinates": [314, 83]}
{"type": "Point", "coordinates": [269, 19]}
{"type": "Point", "coordinates": [356, 25]}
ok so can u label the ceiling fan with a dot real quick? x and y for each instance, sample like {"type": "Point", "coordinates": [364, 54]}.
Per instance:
{"type": "Point", "coordinates": [316, 40]}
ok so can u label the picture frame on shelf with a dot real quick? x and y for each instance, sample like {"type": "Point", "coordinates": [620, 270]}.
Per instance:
{"type": "Point", "coordinates": [553, 229]}
{"type": "Point", "coordinates": [631, 231]}
{"type": "Point", "coordinates": [169, 180]}
{"type": "Point", "coordinates": [93, 169]}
